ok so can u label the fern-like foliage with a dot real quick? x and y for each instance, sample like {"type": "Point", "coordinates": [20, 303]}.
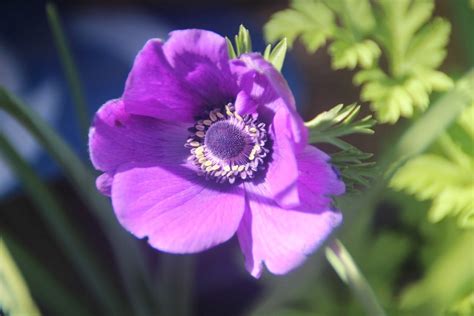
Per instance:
{"type": "Point", "coordinates": [413, 45]}
{"type": "Point", "coordinates": [445, 176]}
{"type": "Point", "coordinates": [328, 127]}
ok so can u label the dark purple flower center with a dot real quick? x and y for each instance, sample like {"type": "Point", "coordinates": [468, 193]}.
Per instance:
{"type": "Point", "coordinates": [225, 140]}
{"type": "Point", "coordinates": [226, 146]}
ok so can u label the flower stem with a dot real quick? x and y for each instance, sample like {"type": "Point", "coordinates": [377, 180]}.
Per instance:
{"type": "Point", "coordinates": [345, 267]}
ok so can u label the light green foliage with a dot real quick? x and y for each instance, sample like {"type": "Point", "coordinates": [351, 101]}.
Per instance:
{"type": "Point", "coordinates": [243, 45]}
{"type": "Point", "coordinates": [413, 45]}
{"type": "Point", "coordinates": [448, 278]}
{"type": "Point", "coordinates": [464, 307]}
{"type": "Point", "coordinates": [15, 297]}
{"type": "Point", "coordinates": [446, 177]}
{"type": "Point", "coordinates": [328, 127]}
{"type": "Point", "coordinates": [310, 20]}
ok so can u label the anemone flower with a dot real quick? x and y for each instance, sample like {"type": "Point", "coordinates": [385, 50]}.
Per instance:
{"type": "Point", "coordinates": [201, 147]}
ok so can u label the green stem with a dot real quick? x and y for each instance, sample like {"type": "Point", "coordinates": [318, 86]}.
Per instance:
{"type": "Point", "coordinates": [345, 267]}
{"type": "Point", "coordinates": [69, 68]}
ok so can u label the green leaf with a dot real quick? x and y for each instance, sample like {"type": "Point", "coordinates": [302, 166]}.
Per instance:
{"type": "Point", "coordinates": [15, 298]}
{"type": "Point", "coordinates": [340, 121]}
{"type": "Point", "coordinates": [243, 43]}
{"type": "Point", "coordinates": [414, 49]}
{"type": "Point", "coordinates": [446, 179]}
{"type": "Point", "coordinates": [356, 16]}
{"type": "Point", "coordinates": [464, 307]}
{"type": "Point", "coordinates": [446, 280]}
{"type": "Point", "coordinates": [355, 171]}
{"type": "Point", "coordinates": [347, 53]}
{"type": "Point", "coordinates": [70, 69]}
{"type": "Point", "coordinates": [44, 285]}
{"type": "Point", "coordinates": [125, 249]}
{"type": "Point", "coordinates": [392, 98]}
{"type": "Point", "coordinates": [413, 46]}
{"type": "Point", "coordinates": [328, 127]}
{"type": "Point", "coordinates": [427, 48]}
{"type": "Point", "coordinates": [71, 243]}
{"type": "Point", "coordinates": [342, 262]}
{"type": "Point", "coordinates": [311, 20]}
{"type": "Point", "coordinates": [314, 22]}
{"type": "Point", "coordinates": [276, 56]}
{"type": "Point", "coordinates": [230, 48]}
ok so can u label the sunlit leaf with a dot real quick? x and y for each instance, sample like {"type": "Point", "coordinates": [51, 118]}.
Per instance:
{"type": "Point", "coordinates": [464, 307]}
{"type": "Point", "coordinates": [276, 56]}
{"type": "Point", "coordinates": [413, 44]}
{"type": "Point", "coordinates": [329, 126]}
{"type": "Point", "coordinates": [310, 20]}
{"type": "Point", "coordinates": [243, 43]}
{"type": "Point", "coordinates": [347, 53]}
{"type": "Point", "coordinates": [15, 298]}
{"type": "Point", "coordinates": [445, 281]}
{"type": "Point", "coordinates": [446, 178]}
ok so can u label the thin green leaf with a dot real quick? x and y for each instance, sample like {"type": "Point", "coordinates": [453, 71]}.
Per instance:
{"type": "Point", "coordinates": [65, 233]}
{"type": "Point", "coordinates": [70, 69]}
{"type": "Point", "coordinates": [328, 127]}
{"type": "Point", "coordinates": [347, 270]}
{"type": "Point", "coordinates": [338, 122]}
{"type": "Point", "coordinates": [245, 40]}
{"type": "Point", "coordinates": [267, 51]}
{"type": "Point", "coordinates": [124, 247]}
{"type": "Point", "coordinates": [230, 48]}
{"type": "Point", "coordinates": [43, 284]}
{"type": "Point", "coordinates": [15, 298]}
{"type": "Point", "coordinates": [277, 56]}
{"type": "Point", "coordinates": [243, 43]}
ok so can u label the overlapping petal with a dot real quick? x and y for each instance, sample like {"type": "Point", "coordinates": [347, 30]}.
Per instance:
{"type": "Point", "coordinates": [265, 91]}
{"type": "Point", "coordinates": [179, 79]}
{"type": "Point", "coordinates": [117, 137]}
{"type": "Point", "coordinates": [282, 238]}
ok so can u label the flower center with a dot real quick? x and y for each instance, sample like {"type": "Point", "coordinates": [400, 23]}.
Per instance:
{"type": "Point", "coordinates": [225, 140]}
{"type": "Point", "coordinates": [226, 146]}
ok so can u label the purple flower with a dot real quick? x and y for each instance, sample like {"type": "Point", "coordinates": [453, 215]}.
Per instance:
{"type": "Point", "coordinates": [200, 147]}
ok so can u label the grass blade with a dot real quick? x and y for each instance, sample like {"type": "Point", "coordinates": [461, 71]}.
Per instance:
{"type": "Point", "coordinates": [44, 286]}
{"type": "Point", "coordinates": [15, 297]}
{"type": "Point", "coordinates": [345, 267]}
{"type": "Point", "coordinates": [70, 69]}
{"type": "Point", "coordinates": [66, 235]}
{"type": "Point", "coordinates": [125, 249]}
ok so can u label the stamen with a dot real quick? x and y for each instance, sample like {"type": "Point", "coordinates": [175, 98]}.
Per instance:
{"type": "Point", "coordinates": [226, 146]}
